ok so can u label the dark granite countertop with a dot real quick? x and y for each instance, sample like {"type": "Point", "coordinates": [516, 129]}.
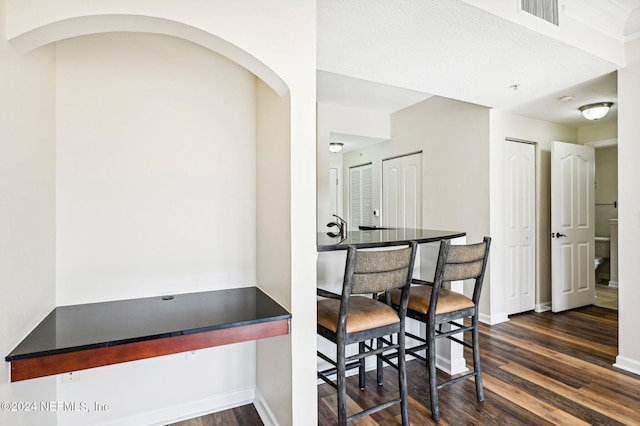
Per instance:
{"type": "Point", "coordinates": [96, 325]}
{"type": "Point", "coordinates": [383, 237]}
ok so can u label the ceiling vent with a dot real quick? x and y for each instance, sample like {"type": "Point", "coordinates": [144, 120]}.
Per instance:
{"type": "Point", "coordinates": [543, 9]}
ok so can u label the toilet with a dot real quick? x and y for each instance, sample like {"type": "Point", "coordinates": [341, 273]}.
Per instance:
{"type": "Point", "coordinates": [602, 250]}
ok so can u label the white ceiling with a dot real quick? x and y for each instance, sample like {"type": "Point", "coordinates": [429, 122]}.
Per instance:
{"type": "Point", "coordinates": [386, 55]}
{"type": "Point", "coordinates": [361, 94]}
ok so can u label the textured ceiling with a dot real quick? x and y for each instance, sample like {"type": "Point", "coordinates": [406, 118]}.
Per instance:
{"type": "Point", "coordinates": [453, 49]}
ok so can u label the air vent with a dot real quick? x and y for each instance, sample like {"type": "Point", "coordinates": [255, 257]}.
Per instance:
{"type": "Point", "coordinates": [543, 9]}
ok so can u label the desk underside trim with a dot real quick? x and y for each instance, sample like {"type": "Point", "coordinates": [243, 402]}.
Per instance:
{"type": "Point", "coordinates": [48, 365]}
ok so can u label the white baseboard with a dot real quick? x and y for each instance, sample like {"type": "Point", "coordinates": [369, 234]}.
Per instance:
{"type": "Point", "coordinates": [613, 284]}
{"type": "Point", "coordinates": [263, 409]}
{"type": "Point", "coordinates": [189, 410]}
{"type": "Point", "coordinates": [493, 319]}
{"type": "Point", "coordinates": [627, 364]}
{"type": "Point", "coordinates": [458, 366]}
{"type": "Point", "coordinates": [543, 307]}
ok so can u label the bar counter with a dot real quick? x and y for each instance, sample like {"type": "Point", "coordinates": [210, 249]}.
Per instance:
{"type": "Point", "coordinates": [382, 237]}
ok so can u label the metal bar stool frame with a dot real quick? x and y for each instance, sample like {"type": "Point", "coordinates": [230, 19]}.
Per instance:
{"type": "Point", "coordinates": [434, 305]}
{"type": "Point", "coordinates": [367, 272]}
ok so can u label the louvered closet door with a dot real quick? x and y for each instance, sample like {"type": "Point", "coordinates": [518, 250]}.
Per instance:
{"type": "Point", "coordinates": [360, 197]}
{"type": "Point", "coordinates": [402, 191]}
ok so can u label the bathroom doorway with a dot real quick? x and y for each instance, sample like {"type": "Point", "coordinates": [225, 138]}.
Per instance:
{"type": "Point", "coordinates": [606, 216]}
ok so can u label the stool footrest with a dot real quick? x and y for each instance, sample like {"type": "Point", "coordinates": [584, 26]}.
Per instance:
{"type": "Point", "coordinates": [375, 409]}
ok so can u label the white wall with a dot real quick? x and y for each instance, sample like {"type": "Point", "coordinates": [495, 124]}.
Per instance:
{"type": "Point", "coordinates": [27, 212]}
{"type": "Point", "coordinates": [606, 188]}
{"type": "Point", "coordinates": [598, 132]}
{"type": "Point", "coordinates": [606, 179]}
{"type": "Point", "coordinates": [629, 211]}
{"type": "Point", "coordinates": [351, 121]}
{"type": "Point", "coordinates": [274, 357]}
{"type": "Point", "coordinates": [504, 125]}
{"type": "Point", "coordinates": [150, 132]}
{"type": "Point", "coordinates": [160, 390]}
{"type": "Point", "coordinates": [453, 138]}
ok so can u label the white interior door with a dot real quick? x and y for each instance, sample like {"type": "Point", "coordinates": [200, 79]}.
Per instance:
{"type": "Point", "coordinates": [521, 226]}
{"type": "Point", "coordinates": [572, 226]}
{"type": "Point", "coordinates": [402, 192]}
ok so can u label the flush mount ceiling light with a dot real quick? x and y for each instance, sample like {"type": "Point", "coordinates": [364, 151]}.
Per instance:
{"type": "Point", "coordinates": [335, 146]}
{"type": "Point", "coordinates": [595, 111]}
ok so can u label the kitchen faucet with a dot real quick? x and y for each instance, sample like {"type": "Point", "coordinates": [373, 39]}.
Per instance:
{"type": "Point", "coordinates": [342, 228]}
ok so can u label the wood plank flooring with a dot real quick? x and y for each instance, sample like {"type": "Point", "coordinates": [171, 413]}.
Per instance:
{"type": "Point", "coordinates": [245, 415]}
{"type": "Point", "coordinates": [606, 296]}
{"type": "Point", "coordinates": [538, 369]}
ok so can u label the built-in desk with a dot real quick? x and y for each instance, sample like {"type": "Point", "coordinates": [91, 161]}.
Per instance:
{"type": "Point", "coordinates": [91, 335]}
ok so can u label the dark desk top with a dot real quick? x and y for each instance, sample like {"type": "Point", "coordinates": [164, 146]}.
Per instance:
{"type": "Point", "coordinates": [383, 237]}
{"type": "Point", "coordinates": [96, 325]}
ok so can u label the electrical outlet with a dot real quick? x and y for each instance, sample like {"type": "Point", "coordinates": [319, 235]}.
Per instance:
{"type": "Point", "coordinates": [192, 354]}
{"type": "Point", "coordinates": [70, 377]}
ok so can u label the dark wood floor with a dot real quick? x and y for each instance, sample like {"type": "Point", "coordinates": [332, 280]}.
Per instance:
{"type": "Point", "coordinates": [239, 416]}
{"type": "Point", "coordinates": [539, 369]}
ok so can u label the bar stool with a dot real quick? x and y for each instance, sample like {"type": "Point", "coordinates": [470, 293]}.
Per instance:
{"type": "Point", "coordinates": [434, 305]}
{"type": "Point", "coordinates": [355, 318]}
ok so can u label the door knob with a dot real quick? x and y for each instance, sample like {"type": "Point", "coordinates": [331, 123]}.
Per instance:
{"type": "Point", "coordinates": [559, 235]}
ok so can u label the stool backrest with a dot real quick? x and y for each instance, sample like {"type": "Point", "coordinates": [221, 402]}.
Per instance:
{"type": "Point", "coordinates": [462, 262]}
{"type": "Point", "coordinates": [376, 271]}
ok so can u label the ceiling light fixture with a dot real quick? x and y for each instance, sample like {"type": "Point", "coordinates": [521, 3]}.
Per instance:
{"type": "Point", "coordinates": [595, 111]}
{"type": "Point", "coordinates": [335, 146]}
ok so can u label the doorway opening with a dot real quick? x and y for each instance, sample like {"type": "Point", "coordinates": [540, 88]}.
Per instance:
{"type": "Point", "coordinates": [606, 216]}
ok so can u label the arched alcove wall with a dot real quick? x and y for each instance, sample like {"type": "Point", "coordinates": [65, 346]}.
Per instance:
{"type": "Point", "coordinates": [280, 51]}
{"type": "Point", "coordinates": [96, 24]}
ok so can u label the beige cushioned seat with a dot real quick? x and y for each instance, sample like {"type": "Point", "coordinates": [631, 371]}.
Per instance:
{"type": "Point", "coordinates": [364, 313]}
{"type": "Point", "coordinates": [420, 297]}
